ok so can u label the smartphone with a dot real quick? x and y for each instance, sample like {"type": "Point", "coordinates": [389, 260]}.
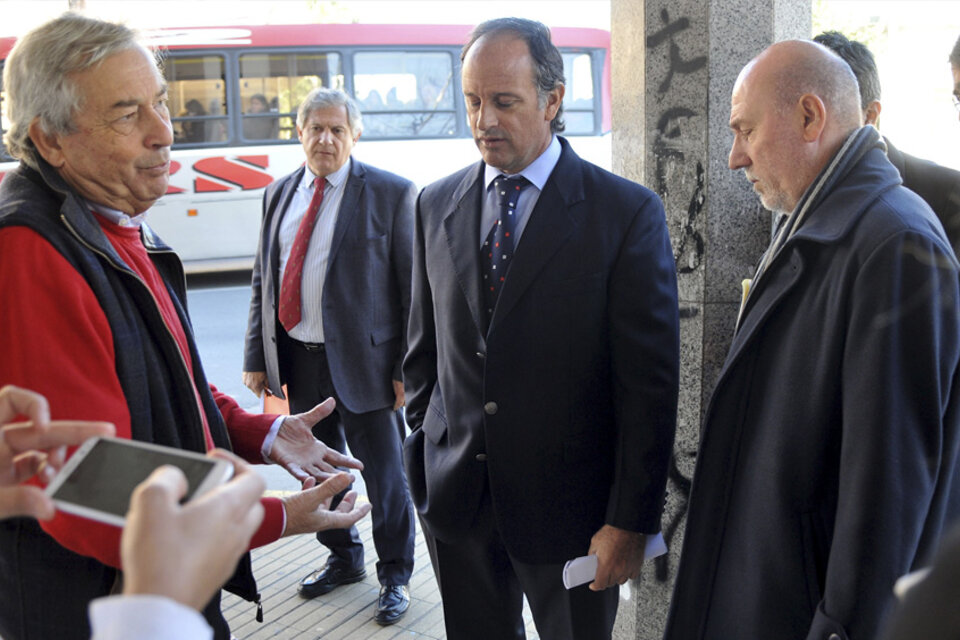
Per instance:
{"type": "Point", "coordinates": [98, 480]}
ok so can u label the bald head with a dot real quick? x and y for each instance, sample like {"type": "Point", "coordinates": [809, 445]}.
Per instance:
{"type": "Point", "coordinates": [793, 68]}
{"type": "Point", "coordinates": [792, 108]}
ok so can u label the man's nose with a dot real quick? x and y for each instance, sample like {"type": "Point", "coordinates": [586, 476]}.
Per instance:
{"type": "Point", "coordinates": [486, 117]}
{"type": "Point", "coordinates": [737, 159]}
{"type": "Point", "coordinates": [159, 129]}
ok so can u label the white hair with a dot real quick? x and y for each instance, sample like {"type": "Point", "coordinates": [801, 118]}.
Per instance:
{"type": "Point", "coordinates": [36, 76]}
{"type": "Point", "coordinates": [323, 97]}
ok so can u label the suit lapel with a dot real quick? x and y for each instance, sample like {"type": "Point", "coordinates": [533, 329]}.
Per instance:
{"type": "Point", "coordinates": [286, 195]}
{"type": "Point", "coordinates": [349, 207]}
{"type": "Point", "coordinates": [559, 213]}
{"type": "Point", "coordinates": [775, 284]}
{"type": "Point", "coordinates": [462, 227]}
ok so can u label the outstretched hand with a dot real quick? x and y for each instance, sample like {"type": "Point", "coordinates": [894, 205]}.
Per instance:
{"type": "Point", "coordinates": [308, 511]}
{"type": "Point", "coordinates": [297, 451]}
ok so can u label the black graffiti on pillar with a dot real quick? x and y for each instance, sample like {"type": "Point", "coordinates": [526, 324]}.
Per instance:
{"type": "Point", "coordinates": [677, 63]}
{"type": "Point", "coordinates": [661, 564]}
{"type": "Point", "coordinates": [669, 153]}
{"type": "Point", "coordinates": [668, 129]}
{"type": "Point", "coordinates": [688, 311]}
{"type": "Point", "coordinates": [690, 245]}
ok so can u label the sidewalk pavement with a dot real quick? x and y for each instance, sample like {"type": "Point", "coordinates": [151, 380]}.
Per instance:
{"type": "Point", "coordinates": [344, 613]}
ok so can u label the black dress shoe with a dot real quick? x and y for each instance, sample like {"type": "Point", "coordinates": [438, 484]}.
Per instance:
{"type": "Point", "coordinates": [393, 603]}
{"type": "Point", "coordinates": [329, 578]}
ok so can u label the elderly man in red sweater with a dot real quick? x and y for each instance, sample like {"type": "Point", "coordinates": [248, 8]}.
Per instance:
{"type": "Point", "coordinates": [93, 314]}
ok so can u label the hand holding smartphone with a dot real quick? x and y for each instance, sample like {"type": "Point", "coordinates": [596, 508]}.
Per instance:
{"type": "Point", "coordinates": [98, 480]}
{"type": "Point", "coordinates": [188, 551]}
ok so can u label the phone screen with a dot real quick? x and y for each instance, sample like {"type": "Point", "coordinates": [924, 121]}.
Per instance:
{"type": "Point", "coordinates": [105, 479]}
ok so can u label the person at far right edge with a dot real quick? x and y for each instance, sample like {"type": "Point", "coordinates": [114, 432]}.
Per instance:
{"type": "Point", "coordinates": [929, 607]}
{"type": "Point", "coordinates": [828, 457]}
{"type": "Point", "coordinates": [955, 70]}
{"type": "Point", "coordinates": [938, 185]}
{"type": "Point", "coordinates": [542, 369]}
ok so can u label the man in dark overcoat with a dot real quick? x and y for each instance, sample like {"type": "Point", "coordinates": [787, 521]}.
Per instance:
{"type": "Point", "coordinates": [828, 459]}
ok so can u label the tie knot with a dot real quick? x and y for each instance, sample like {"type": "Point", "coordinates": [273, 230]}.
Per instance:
{"type": "Point", "coordinates": [319, 183]}
{"type": "Point", "coordinates": [503, 182]}
{"type": "Point", "coordinates": [508, 189]}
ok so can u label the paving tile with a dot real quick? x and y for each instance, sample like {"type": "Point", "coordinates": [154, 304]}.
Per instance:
{"type": "Point", "coordinates": [343, 614]}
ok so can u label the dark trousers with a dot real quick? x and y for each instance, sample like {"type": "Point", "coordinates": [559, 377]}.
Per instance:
{"type": "Point", "coordinates": [373, 438]}
{"type": "Point", "coordinates": [482, 587]}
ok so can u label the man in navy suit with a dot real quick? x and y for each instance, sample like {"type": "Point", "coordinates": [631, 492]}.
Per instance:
{"type": "Point", "coordinates": [542, 369]}
{"type": "Point", "coordinates": [331, 294]}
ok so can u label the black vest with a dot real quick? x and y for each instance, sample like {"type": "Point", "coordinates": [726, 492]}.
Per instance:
{"type": "Point", "coordinates": [155, 380]}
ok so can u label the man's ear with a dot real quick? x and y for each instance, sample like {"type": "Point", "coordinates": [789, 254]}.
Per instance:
{"type": "Point", "coordinates": [554, 100]}
{"type": "Point", "coordinates": [814, 113]}
{"type": "Point", "coordinates": [871, 115]}
{"type": "Point", "coordinates": [47, 144]}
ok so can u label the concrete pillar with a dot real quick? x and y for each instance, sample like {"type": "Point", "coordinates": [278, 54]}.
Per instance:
{"type": "Point", "coordinates": [674, 65]}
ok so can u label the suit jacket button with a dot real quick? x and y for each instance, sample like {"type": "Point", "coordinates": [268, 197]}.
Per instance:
{"type": "Point", "coordinates": [481, 457]}
{"type": "Point", "coordinates": [481, 355]}
{"type": "Point", "coordinates": [490, 408]}
{"type": "Point", "coordinates": [833, 636]}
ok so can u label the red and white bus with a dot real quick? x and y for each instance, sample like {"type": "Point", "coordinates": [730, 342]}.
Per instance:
{"type": "Point", "coordinates": [234, 92]}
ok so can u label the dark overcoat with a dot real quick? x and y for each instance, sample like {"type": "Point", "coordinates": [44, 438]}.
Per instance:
{"type": "Point", "coordinates": [938, 185]}
{"type": "Point", "coordinates": [828, 461]}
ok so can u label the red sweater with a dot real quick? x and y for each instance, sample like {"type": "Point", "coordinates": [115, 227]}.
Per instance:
{"type": "Point", "coordinates": [58, 343]}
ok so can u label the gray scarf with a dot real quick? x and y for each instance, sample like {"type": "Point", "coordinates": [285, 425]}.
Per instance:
{"type": "Point", "coordinates": [854, 147]}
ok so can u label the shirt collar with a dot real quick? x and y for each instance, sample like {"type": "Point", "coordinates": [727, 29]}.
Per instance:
{"type": "Point", "coordinates": [118, 218]}
{"type": "Point", "coordinates": [335, 179]}
{"type": "Point", "coordinates": [537, 172]}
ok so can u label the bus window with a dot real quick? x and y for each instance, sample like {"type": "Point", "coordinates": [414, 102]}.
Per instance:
{"type": "Point", "coordinates": [405, 94]}
{"type": "Point", "coordinates": [272, 86]}
{"type": "Point", "coordinates": [234, 92]}
{"type": "Point", "coordinates": [578, 100]}
{"type": "Point", "coordinates": [4, 156]}
{"type": "Point", "coordinates": [197, 92]}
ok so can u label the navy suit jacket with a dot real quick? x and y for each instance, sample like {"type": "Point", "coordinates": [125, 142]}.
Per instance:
{"type": "Point", "coordinates": [366, 290]}
{"type": "Point", "coordinates": [566, 405]}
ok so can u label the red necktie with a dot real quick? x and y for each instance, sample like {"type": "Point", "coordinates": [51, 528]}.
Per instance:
{"type": "Point", "coordinates": [289, 312]}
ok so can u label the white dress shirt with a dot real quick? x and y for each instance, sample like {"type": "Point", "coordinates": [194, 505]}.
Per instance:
{"type": "Point", "coordinates": [310, 327]}
{"type": "Point", "coordinates": [145, 617]}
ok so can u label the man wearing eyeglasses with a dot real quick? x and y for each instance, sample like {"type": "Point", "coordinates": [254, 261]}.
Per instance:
{"type": "Point", "coordinates": [955, 67]}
